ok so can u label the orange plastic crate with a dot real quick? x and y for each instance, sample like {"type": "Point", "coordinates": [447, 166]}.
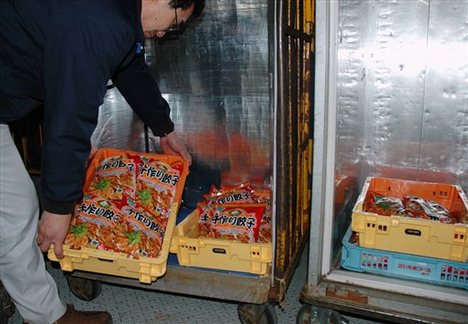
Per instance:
{"type": "Point", "coordinates": [145, 269]}
{"type": "Point", "coordinates": [410, 235]}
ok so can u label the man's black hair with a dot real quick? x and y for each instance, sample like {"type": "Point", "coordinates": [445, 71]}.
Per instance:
{"type": "Point", "coordinates": [184, 4]}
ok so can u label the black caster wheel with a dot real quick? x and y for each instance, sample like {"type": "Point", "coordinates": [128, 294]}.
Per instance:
{"type": "Point", "coordinates": [84, 289]}
{"type": "Point", "coordinates": [304, 316]}
{"type": "Point", "coordinates": [257, 314]}
{"type": "Point", "coordinates": [7, 308]}
{"type": "Point", "coordinates": [309, 314]}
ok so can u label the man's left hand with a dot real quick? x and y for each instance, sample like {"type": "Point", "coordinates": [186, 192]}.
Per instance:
{"type": "Point", "coordinates": [52, 229]}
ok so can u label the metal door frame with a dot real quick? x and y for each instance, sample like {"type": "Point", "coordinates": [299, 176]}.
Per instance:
{"type": "Point", "coordinates": [292, 67]}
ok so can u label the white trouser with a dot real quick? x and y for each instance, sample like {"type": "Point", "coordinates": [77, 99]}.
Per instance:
{"type": "Point", "coordinates": [22, 268]}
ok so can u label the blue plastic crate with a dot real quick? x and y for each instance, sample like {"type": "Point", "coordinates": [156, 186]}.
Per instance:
{"type": "Point", "coordinates": [406, 266]}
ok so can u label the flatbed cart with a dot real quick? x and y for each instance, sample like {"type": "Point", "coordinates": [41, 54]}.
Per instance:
{"type": "Point", "coordinates": [251, 291]}
{"type": "Point", "coordinates": [330, 289]}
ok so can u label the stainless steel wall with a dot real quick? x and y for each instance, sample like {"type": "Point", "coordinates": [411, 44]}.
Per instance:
{"type": "Point", "coordinates": [403, 89]}
{"type": "Point", "coordinates": [216, 78]}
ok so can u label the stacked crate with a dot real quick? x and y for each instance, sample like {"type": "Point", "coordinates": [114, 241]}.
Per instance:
{"type": "Point", "coordinates": [401, 246]}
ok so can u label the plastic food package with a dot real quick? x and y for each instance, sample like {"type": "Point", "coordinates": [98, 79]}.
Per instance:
{"type": "Point", "coordinates": [265, 231]}
{"type": "Point", "coordinates": [418, 207]}
{"type": "Point", "coordinates": [92, 223]}
{"type": "Point", "coordinates": [217, 219]}
{"type": "Point", "coordinates": [240, 222]}
{"type": "Point", "coordinates": [237, 194]}
{"type": "Point", "coordinates": [379, 204]}
{"type": "Point", "coordinates": [410, 206]}
{"type": "Point", "coordinates": [114, 177]}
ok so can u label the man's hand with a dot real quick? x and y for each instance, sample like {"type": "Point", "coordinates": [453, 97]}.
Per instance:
{"type": "Point", "coordinates": [53, 229]}
{"type": "Point", "coordinates": [172, 145]}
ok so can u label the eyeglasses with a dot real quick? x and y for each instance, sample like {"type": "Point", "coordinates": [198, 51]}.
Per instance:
{"type": "Point", "coordinates": [175, 27]}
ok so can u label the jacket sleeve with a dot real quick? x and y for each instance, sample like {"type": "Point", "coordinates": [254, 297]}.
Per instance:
{"type": "Point", "coordinates": [142, 93]}
{"type": "Point", "coordinates": [80, 55]}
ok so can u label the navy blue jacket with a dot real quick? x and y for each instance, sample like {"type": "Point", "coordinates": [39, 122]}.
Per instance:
{"type": "Point", "coordinates": [61, 53]}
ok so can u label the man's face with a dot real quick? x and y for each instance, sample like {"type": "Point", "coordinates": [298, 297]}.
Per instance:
{"type": "Point", "coordinates": [158, 17]}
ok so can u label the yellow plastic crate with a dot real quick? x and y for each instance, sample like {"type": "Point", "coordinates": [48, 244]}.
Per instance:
{"type": "Point", "coordinates": [146, 270]}
{"type": "Point", "coordinates": [411, 235]}
{"type": "Point", "coordinates": [217, 253]}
